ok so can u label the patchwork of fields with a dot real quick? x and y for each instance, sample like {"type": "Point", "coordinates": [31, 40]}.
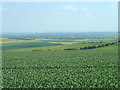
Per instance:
{"type": "Point", "coordinates": [44, 63]}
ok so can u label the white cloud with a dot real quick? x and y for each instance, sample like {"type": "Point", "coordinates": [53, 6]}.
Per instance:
{"type": "Point", "coordinates": [70, 7]}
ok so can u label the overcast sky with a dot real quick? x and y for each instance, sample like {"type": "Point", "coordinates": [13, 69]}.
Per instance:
{"type": "Point", "coordinates": [60, 17]}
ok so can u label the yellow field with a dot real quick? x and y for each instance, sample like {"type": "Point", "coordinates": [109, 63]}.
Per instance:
{"type": "Point", "coordinates": [20, 41]}
{"type": "Point", "coordinates": [45, 39]}
{"type": "Point", "coordinates": [83, 40]}
{"type": "Point", "coordinates": [63, 42]}
{"type": "Point", "coordinates": [3, 38]}
{"type": "Point", "coordinates": [17, 41]}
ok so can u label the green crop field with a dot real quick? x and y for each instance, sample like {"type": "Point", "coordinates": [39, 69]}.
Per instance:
{"type": "Point", "coordinates": [61, 64]}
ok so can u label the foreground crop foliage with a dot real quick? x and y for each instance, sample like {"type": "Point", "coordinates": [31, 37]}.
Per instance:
{"type": "Point", "coordinates": [94, 68]}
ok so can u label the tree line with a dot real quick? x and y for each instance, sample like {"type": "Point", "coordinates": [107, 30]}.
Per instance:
{"type": "Point", "coordinates": [104, 45]}
{"type": "Point", "coordinates": [93, 47]}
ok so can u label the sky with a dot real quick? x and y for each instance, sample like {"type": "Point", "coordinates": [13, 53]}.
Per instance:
{"type": "Point", "coordinates": [59, 17]}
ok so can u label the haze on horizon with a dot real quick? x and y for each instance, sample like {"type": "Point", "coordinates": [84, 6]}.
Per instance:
{"type": "Point", "coordinates": [60, 17]}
